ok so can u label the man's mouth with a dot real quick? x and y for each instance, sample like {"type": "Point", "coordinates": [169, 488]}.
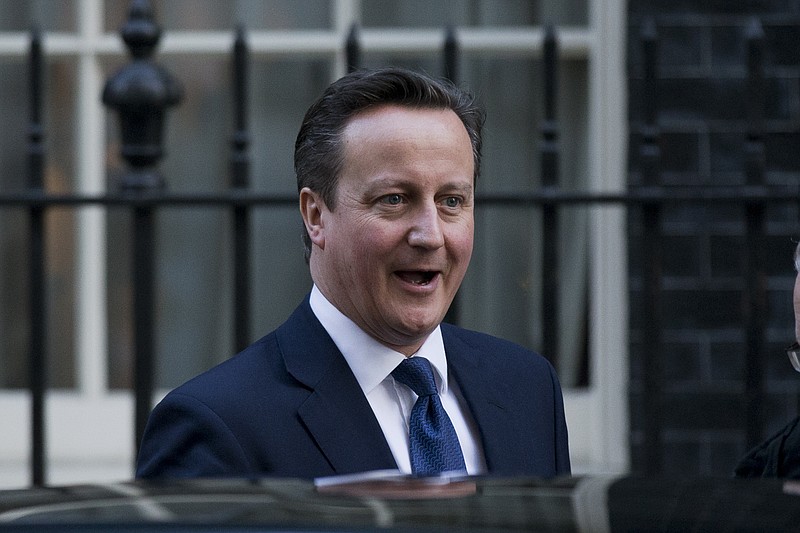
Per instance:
{"type": "Point", "coordinates": [417, 277]}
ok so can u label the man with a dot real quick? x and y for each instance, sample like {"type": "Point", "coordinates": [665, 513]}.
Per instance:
{"type": "Point", "coordinates": [386, 163]}
{"type": "Point", "coordinates": [779, 456]}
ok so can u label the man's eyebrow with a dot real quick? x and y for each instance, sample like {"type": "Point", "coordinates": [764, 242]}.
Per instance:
{"type": "Point", "coordinates": [387, 182]}
{"type": "Point", "coordinates": [464, 188]}
{"type": "Point", "coordinates": [401, 182]}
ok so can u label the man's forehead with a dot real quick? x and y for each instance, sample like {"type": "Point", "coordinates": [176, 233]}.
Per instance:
{"type": "Point", "coordinates": [391, 110]}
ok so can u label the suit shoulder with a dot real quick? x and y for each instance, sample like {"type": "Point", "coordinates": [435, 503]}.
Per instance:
{"type": "Point", "coordinates": [259, 372]}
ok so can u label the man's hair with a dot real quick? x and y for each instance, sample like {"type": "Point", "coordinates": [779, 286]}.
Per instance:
{"type": "Point", "coordinates": [318, 150]}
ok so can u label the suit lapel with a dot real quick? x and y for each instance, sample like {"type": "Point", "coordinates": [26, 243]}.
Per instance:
{"type": "Point", "coordinates": [482, 386]}
{"type": "Point", "coordinates": [336, 412]}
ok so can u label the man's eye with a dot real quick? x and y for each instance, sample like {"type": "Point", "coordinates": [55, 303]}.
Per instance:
{"type": "Point", "coordinates": [452, 201]}
{"type": "Point", "coordinates": [392, 199]}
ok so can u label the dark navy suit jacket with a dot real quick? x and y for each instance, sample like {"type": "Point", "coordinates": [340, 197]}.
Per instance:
{"type": "Point", "coordinates": [289, 406]}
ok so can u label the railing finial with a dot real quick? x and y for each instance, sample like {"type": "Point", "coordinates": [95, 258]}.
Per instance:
{"type": "Point", "coordinates": [141, 91]}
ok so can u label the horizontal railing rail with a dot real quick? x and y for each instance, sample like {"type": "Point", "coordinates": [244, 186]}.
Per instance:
{"type": "Point", "coordinates": [144, 194]}
{"type": "Point", "coordinates": [634, 196]}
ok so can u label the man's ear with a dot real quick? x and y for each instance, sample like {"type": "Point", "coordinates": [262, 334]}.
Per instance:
{"type": "Point", "coordinates": [311, 208]}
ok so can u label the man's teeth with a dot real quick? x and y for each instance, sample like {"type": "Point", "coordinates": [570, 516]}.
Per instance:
{"type": "Point", "coordinates": [417, 278]}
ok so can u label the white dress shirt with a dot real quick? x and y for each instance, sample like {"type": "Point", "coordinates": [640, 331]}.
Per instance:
{"type": "Point", "coordinates": [391, 401]}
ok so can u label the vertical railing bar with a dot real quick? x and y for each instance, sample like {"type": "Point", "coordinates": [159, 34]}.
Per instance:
{"type": "Point", "coordinates": [141, 92]}
{"type": "Point", "coordinates": [353, 49]}
{"type": "Point", "coordinates": [240, 180]}
{"type": "Point", "coordinates": [755, 285]}
{"type": "Point", "coordinates": [38, 313]}
{"type": "Point", "coordinates": [451, 54]}
{"type": "Point", "coordinates": [450, 72]}
{"type": "Point", "coordinates": [143, 308]}
{"type": "Point", "coordinates": [652, 252]}
{"type": "Point", "coordinates": [550, 180]}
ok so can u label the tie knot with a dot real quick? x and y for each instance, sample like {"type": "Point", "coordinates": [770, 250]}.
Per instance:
{"type": "Point", "coordinates": [417, 374]}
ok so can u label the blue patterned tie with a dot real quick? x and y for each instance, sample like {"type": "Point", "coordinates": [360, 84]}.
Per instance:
{"type": "Point", "coordinates": [433, 442]}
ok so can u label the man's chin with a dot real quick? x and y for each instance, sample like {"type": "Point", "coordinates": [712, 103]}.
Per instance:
{"type": "Point", "coordinates": [416, 332]}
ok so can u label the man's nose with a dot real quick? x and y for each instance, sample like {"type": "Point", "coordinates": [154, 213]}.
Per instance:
{"type": "Point", "coordinates": [426, 228]}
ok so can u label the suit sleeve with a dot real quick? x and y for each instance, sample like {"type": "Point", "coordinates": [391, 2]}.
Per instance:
{"type": "Point", "coordinates": [185, 438]}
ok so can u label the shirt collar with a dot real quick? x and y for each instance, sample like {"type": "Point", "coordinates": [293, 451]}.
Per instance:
{"type": "Point", "coordinates": [370, 361]}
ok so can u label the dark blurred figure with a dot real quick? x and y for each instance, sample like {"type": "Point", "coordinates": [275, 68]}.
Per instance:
{"type": "Point", "coordinates": [779, 456]}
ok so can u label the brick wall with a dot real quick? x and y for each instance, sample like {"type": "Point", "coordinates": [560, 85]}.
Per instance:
{"type": "Point", "coordinates": [702, 120]}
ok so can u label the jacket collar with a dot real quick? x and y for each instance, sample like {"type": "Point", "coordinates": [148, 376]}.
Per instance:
{"type": "Point", "coordinates": [336, 413]}
{"type": "Point", "coordinates": [483, 386]}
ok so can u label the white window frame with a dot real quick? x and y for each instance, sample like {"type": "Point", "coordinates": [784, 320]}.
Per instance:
{"type": "Point", "coordinates": [89, 431]}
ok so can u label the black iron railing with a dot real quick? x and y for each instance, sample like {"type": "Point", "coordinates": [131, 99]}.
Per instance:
{"type": "Point", "coordinates": [141, 118]}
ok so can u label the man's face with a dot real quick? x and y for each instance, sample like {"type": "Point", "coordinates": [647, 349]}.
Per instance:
{"type": "Point", "coordinates": [393, 253]}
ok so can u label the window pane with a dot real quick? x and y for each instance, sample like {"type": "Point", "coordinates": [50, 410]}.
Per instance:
{"type": "Point", "coordinates": [16, 15]}
{"type": "Point", "coordinates": [58, 118]}
{"type": "Point", "coordinates": [424, 13]}
{"type": "Point", "coordinates": [204, 15]}
{"type": "Point", "coordinates": [502, 292]}
{"type": "Point", "coordinates": [14, 116]}
{"type": "Point", "coordinates": [563, 12]}
{"type": "Point", "coordinates": [14, 329]}
{"type": "Point", "coordinates": [14, 323]}
{"type": "Point", "coordinates": [431, 64]}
